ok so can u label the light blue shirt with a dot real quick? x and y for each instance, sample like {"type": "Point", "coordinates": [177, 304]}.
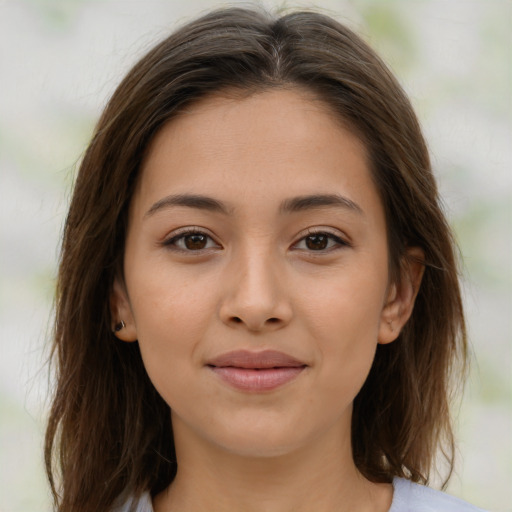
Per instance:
{"type": "Point", "coordinates": [411, 497]}
{"type": "Point", "coordinates": [407, 497]}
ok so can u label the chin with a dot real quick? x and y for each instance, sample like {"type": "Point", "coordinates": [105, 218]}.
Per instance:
{"type": "Point", "coordinates": [262, 439]}
{"type": "Point", "coordinates": [256, 438]}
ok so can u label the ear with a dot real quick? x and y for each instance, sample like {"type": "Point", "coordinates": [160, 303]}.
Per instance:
{"type": "Point", "coordinates": [401, 296]}
{"type": "Point", "coordinates": [121, 311]}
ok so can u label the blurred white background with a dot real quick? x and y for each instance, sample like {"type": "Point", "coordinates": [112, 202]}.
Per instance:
{"type": "Point", "coordinates": [61, 59]}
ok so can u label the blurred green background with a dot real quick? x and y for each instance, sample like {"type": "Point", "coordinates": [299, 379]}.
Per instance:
{"type": "Point", "coordinates": [60, 61]}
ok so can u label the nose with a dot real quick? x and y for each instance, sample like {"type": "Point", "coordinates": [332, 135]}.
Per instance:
{"type": "Point", "coordinates": [255, 295]}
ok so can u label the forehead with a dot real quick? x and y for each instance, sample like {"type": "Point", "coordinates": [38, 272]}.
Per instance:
{"type": "Point", "coordinates": [255, 148]}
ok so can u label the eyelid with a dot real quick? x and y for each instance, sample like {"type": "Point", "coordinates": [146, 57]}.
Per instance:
{"type": "Point", "coordinates": [170, 239]}
{"type": "Point", "coordinates": [341, 239]}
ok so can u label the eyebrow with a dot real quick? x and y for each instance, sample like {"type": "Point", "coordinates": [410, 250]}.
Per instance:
{"type": "Point", "coordinates": [197, 201]}
{"type": "Point", "coordinates": [301, 203]}
{"type": "Point", "coordinates": [292, 205]}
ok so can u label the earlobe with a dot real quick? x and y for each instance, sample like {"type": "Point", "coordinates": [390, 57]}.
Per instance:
{"type": "Point", "coordinates": [401, 296]}
{"type": "Point", "coordinates": [123, 325]}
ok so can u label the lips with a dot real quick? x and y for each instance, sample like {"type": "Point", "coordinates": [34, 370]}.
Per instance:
{"type": "Point", "coordinates": [256, 371]}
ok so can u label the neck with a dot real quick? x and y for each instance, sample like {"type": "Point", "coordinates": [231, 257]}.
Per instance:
{"type": "Point", "coordinates": [321, 477]}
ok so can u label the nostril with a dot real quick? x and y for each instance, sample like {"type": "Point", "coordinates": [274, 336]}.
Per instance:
{"type": "Point", "coordinates": [273, 320]}
{"type": "Point", "coordinates": [237, 320]}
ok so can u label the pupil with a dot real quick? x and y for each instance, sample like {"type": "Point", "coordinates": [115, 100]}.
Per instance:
{"type": "Point", "coordinates": [195, 241]}
{"type": "Point", "coordinates": [316, 242]}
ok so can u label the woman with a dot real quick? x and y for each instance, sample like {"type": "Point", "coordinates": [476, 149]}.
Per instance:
{"type": "Point", "coordinates": [258, 305]}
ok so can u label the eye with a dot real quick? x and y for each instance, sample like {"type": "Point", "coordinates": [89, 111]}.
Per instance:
{"type": "Point", "coordinates": [320, 241]}
{"type": "Point", "coordinates": [191, 240]}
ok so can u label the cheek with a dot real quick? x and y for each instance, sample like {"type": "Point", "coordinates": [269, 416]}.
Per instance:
{"type": "Point", "coordinates": [171, 318]}
{"type": "Point", "coordinates": [343, 318]}
{"type": "Point", "coordinates": [346, 304]}
{"type": "Point", "coordinates": [169, 301]}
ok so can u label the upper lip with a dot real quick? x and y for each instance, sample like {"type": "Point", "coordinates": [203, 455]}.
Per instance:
{"type": "Point", "coordinates": [249, 359]}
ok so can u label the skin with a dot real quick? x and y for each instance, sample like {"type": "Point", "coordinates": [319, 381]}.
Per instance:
{"type": "Point", "coordinates": [260, 283]}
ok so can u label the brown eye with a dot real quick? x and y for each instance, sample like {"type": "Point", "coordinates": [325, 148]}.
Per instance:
{"type": "Point", "coordinates": [191, 241]}
{"type": "Point", "coordinates": [195, 242]}
{"type": "Point", "coordinates": [320, 242]}
{"type": "Point", "coordinates": [317, 242]}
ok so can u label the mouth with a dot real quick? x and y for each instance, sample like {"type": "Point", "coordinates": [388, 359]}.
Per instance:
{"type": "Point", "coordinates": [256, 371]}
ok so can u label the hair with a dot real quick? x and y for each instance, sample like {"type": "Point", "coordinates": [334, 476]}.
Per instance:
{"type": "Point", "coordinates": [109, 432]}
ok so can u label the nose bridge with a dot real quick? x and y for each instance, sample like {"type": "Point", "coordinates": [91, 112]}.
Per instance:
{"type": "Point", "coordinates": [255, 295]}
{"type": "Point", "coordinates": [257, 276]}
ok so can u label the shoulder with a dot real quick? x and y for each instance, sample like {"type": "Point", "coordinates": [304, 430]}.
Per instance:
{"type": "Point", "coordinates": [141, 504]}
{"type": "Point", "coordinates": [411, 497]}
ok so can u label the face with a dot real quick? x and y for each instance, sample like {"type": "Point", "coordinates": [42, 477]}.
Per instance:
{"type": "Point", "coordinates": [256, 272]}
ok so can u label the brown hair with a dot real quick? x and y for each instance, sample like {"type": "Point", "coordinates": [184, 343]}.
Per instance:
{"type": "Point", "coordinates": [102, 433]}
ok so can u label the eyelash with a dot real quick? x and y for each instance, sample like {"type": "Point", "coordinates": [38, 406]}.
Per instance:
{"type": "Point", "coordinates": [181, 235]}
{"type": "Point", "coordinates": [339, 243]}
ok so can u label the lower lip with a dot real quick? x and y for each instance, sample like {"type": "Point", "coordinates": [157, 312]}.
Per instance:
{"type": "Point", "coordinates": [249, 379]}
